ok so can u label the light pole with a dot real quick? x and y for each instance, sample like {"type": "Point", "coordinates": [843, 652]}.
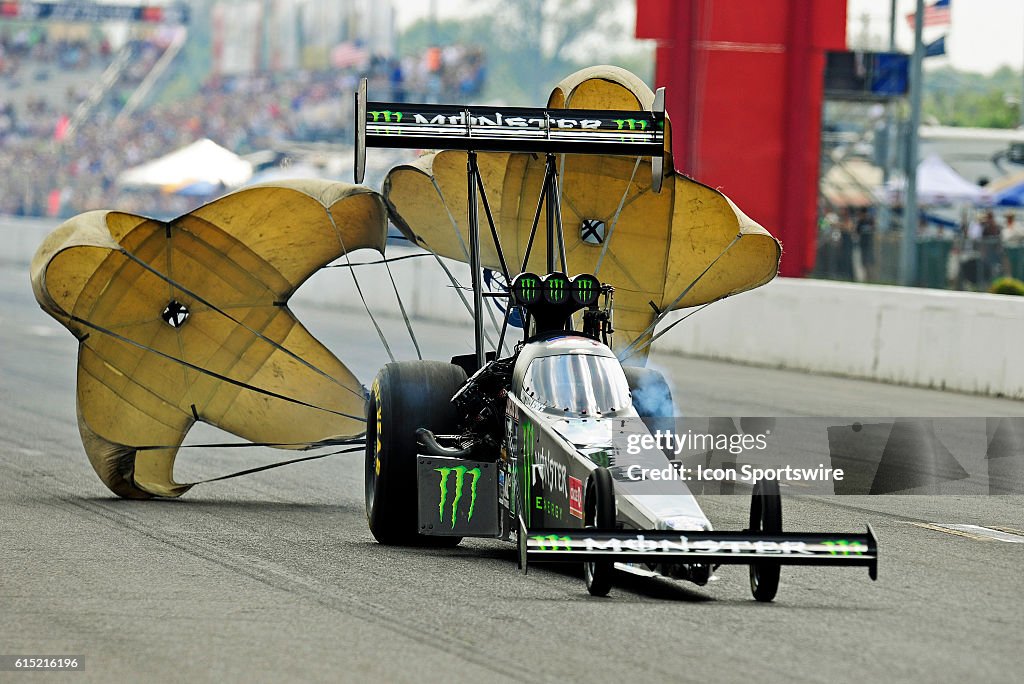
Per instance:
{"type": "Point", "coordinates": [889, 159]}
{"type": "Point", "coordinates": [908, 245]}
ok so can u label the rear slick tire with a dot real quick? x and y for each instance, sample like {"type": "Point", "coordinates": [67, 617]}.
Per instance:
{"type": "Point", "coordinates": [406, 395]}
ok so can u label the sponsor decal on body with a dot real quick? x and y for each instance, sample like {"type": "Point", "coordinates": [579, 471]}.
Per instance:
{"type": "Point", "coordinates": [549, 473]}
{"type": "Point", "coordinates": [508, 446]}
{"type": "Point", "coordinates": [575, 497]}
{"type": "Point", "coordinates": [459, 483]}
{"type": "Point", "coordinates": [502, 488]}
{"type": "Point", "coordinates": [553, 479]}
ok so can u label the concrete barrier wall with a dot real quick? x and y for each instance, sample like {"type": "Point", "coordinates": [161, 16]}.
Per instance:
{"type": "Point", "coordinates": [932, 338]}
{"type": "Point", "coordinates": [426, 291]}
{"type": "Point", "coordinates": [21, 237]}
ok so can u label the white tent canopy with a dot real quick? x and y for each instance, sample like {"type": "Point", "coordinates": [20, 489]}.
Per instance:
{"type": "Point", "coordinates": [204, 161]}
{"type": "Point", "coordinates": [280, 173]}
{"type": "Point", "coordinates": [939, 184]}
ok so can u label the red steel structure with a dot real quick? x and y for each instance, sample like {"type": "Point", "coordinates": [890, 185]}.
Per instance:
{"type": "Point", "coordinates": [744, 86]}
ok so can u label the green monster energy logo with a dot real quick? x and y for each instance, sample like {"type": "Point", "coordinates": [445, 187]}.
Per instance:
{"type": "Point", "coordinates": [387, 115]}
{"type": "Point", "coordinates": [460, 475]}
{"type": "Point", "coordinates": [552, 542]}
{"type": "Point", "coordinates": [632, 124]}
{"type": "Point", "coordinates": [528, 470]}
{"type": "Point", "coordinates": [528, 287]}
{"type": "Point", "coordinates": [557, 289]}
{"type": "Point", "coordinates": [843, 547]}
{"type": "Point", "coordinates": [584, 287]}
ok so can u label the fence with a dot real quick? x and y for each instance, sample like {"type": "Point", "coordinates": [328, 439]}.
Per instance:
{"type": "Point", "coordinates": [954, 263]}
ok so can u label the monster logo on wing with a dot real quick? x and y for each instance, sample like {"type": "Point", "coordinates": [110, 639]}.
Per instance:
{"type": "Point", "coordinates": [551, 542]}
{"type": "Point", "coordinates": [387, 116]}
{"type": "Point", "coordinates": [631, 124]}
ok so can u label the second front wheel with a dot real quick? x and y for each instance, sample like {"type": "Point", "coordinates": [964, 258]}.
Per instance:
{"type": "Point", "coordinates": [765, 517]}
{"type": "Point", "coordinates": [600, 516]}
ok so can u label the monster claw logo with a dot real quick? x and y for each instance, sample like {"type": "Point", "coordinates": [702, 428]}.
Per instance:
{"type": "Point", "coordinates": [528, 286]}
{"type": "Point", "coordinates": [584, 291]}
{"type": "Point", "coordinates": [556, 290]}
{"type": "Point", "coordinates": [844, 547]}
{"type": "Point", "coordinates": [387, 116]}
{"type": "Point", "coordinates": [552, 542]}
{"type": "Point", "coordinates": [631, 124]}
{"type": "Point", "coordinates": [528, 444]}
{"type": "Point", "coordinates": [460, 478]}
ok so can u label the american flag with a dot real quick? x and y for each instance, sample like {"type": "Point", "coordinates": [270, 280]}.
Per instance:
{"type": "Point", "coordinates": [938, 14]}
{"type": "Point", "coordinates": [345, 55]}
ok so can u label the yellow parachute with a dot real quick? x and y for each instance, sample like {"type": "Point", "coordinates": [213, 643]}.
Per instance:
{"type": "Point", "coordinates": [187, 320]}
{"type": "Point", "coordinates": [682, 247]}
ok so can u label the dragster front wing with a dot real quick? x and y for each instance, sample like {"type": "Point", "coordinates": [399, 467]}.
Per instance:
{"type": "Point", "coordinates": [720, 548]}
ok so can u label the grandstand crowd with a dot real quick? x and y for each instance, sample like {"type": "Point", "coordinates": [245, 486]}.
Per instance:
{"type": "Point", "coordinates": [47, 169]}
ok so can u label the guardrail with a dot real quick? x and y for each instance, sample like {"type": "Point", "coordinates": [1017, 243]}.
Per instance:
{"type": "Point", "coordinates": [21, 237]}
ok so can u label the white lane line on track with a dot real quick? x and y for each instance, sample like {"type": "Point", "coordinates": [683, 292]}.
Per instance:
{"type": "Point", "coordinates": [1003, 534]}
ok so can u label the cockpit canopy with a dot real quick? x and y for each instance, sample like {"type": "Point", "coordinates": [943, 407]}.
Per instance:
{"type": "Point", "coordinates": [577, 384]}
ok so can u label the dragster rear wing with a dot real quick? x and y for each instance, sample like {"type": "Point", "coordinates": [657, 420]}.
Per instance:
{"type": "Point", "coordinates": [509, 129]}
{"type": "Point", "coordinates": [630, 546]}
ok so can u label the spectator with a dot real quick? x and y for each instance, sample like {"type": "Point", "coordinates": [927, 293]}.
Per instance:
{"type": "Point", "coordinates": [991, 246]}
{"type": "Point", "coordinates": [973, 230]}
{"type": "Point", "coordinates": [244, 113]}
{"type": "Point", "coordinates": [1013, 233]}
{"type": "Point", "coordinates": [847, 232]}
{"type": "Point", "coordinates": [866, 241]}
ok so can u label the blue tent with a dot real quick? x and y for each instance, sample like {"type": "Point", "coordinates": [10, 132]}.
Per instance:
{"type": "Point", "coordinates": [1012, 196]}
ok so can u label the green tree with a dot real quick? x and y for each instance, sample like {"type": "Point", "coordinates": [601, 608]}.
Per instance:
{"type": "Point", "coordinates": [957, 98]}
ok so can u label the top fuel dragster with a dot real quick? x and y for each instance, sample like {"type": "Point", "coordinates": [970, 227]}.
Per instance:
{"type": "Point", "coordinates": [522, 447]}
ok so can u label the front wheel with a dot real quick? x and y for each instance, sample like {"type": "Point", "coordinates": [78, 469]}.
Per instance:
{"type": "Point", "coordinates": [600, 515]}
{"type": "Point", "coordinates": [765, 516]}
